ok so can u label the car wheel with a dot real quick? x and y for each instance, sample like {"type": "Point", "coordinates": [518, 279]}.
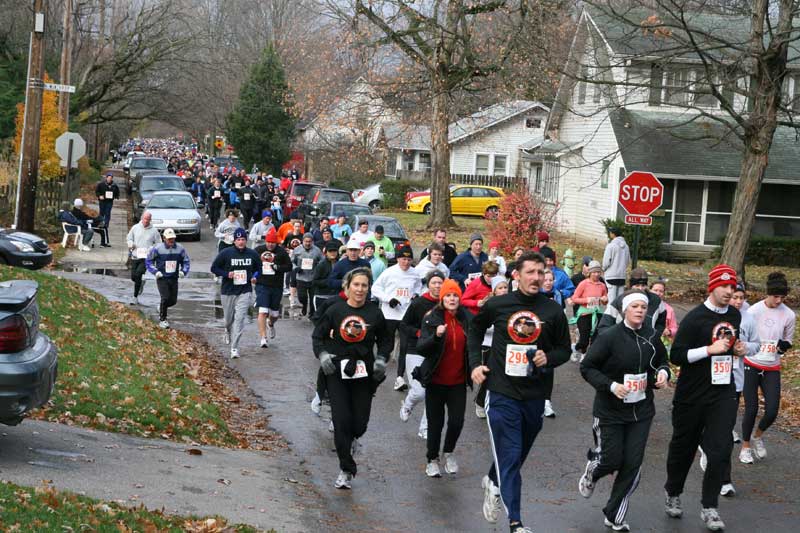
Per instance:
{"type": "Point", "coordinates": [427, 209]}
{"type": "Point", "coordinates": [492, 212]}
{"type": "Point", "coordinates": [3, 260]}
{"type": "Point", "coordinates": [375, 205]}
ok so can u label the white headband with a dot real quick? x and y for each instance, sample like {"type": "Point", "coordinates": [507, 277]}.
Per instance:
{"type": "Point", "coordinates": [633, 297]}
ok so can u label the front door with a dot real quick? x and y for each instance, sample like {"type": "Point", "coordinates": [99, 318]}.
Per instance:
{"type": "Point", "coordinates": [688, 221]}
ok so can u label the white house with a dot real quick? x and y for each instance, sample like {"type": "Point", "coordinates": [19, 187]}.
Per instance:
{"type": "Point", "coordinates": [626, 117]}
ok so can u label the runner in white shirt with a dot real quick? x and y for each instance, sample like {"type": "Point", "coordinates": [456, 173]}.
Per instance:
{"type": "Point", "coordinates": [433, 261]}
{"type": "Point", "coordinates": [362, 234]}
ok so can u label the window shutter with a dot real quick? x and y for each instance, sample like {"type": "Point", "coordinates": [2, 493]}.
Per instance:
{"type": "Point", "coordinates": [656, 84]}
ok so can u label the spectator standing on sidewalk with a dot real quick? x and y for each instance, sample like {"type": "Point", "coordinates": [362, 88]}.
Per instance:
{"type": "Point", "coordinates": [106, 192]}
{"type": "Point", "coordinates": [167, 261]}
{"type": "Point", "coordinates": [141, 237]}
{"type": "Point", "coordinates": [616, 257]}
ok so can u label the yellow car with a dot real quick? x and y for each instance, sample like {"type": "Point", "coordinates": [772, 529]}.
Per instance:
{"type": "Point", "coordinates": [478, 200]}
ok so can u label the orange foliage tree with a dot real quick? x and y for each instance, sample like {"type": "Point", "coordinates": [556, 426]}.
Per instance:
{"type": "Point", "coordinates": [520, 216]}
{"type": "Point", "coordinates": [52, 127]}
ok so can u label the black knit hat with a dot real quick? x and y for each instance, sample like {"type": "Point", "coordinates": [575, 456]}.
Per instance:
{"type": "Point", "coordinates": [777, 284]}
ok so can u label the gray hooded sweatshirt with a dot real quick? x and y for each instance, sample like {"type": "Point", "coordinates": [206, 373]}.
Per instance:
{"type": "Point", "coordinates": [616, 258]}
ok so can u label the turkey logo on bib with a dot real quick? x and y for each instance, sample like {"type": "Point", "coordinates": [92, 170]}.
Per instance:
{"type": "Point", "coordinates": [353, 329]}
{"type": "Point", "coordinates": [524, 327]}
{"type": "Point", "coordinates": [724, 330]}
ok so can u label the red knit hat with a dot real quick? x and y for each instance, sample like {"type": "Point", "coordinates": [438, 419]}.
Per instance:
{"type": "Point", "coordinates": [271, 235]}
{"type": "Point", "coordinates": [449, 286]}
{"type": "Point", "coordinates": [542, 236]}
{"type": "Point", "coordinates": [721, 275]}
{"type": "Point", "coordinates": [494, 244]}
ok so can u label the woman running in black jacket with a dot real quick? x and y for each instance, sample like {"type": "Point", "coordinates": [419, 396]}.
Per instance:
{"type": "Point", "coordinates": [623, 365]}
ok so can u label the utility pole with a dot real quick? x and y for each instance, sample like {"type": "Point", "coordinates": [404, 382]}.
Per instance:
{"type": "Point", "coordinates": [66, 62]}
{"type": "Point", "coordinates": [32, 123]}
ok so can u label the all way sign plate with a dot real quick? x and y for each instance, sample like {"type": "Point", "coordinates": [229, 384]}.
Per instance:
{"type": "Point", "coordinates": [60, 88]}
{"type": "Point", "coordinates": [638, 220]}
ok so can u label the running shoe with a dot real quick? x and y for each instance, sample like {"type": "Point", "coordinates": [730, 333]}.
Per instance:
{"type": "Point", "coordinates": [672, 506]}
{"type": "Point", "coordinates": [264, 342]}
{"type": "Point", "coordinates": [343, 480]}
{"type": "Point", "coordinates": [758, 445]}
{"type": "Point", "coordinates": [135, 300]}
{"type": "Point", "coordinates": [491, 500]}
{"type": "Point", "coordinates": [703, 459]}
{"type": "Point", "coordinates": [519, 528]}
{"type": "Point", "coordinates": [480, 412]}
{"type": "Point", "coordinates": [330, 426]}
{"type": "Point", "coordinates": [576, 355]}
{"type": "Point", "coordinates": [548, 409]}
{"type": "Point", "coordinates": [746, 456]}
{"type": "Point", "coordinates": [226, 338]}
{"type": "Point", "coordinates": [423, 434]}
{"type": "Point", "coordinates": [585, 483]}
{"type": "Point", "coordinates": [710, 516]}
{"type": "Point", "coordinates": [234, 353]}
{"type": "Point", "coordinates": [163, 324]}
{"type": "Point", "coordinates": [622, 526]}
{"type": "Point", "coordinates": [432, 469]}
{"type": "Point", "coordinates": [316, 404]}
{"type": "Point", "coordinates": [727, 490]}
{"type": "Point", "coordinates": [271, 330]}
{"type": "Point", "coordinates": [450, 464]}
{"type": "Point", "coordinates": [736, 438]}
{"type": "Point", "coordinates": [286, 292]}
{"type": "Point", "coordinates": [400, 384]}
{"type": "Point", "coordinates": [404, 413]}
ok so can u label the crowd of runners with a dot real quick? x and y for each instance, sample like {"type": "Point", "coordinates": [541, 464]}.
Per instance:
{"type": "Point", "coordinates": [499, 326]}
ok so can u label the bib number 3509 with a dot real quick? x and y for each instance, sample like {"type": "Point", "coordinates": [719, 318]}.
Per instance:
{"type": "Point", "coordinates": [636, 385]}
{"type": "Point", "coordinates": [721, 369]}
{"type": "Point", "coordinates": [517, 359]}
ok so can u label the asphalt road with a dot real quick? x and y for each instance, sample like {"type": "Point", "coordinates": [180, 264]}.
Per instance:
{"type": "Point", "coordinates": [392, 493]}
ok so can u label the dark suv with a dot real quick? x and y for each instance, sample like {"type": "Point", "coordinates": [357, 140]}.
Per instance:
{"type": "Point", "coordinates": [297, 193]}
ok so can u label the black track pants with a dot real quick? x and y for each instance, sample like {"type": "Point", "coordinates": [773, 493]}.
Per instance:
{"type": "Point", "coordinates": [351, 402]}
{"type": "Point", "coordinates": [437, 397]}
{"type": "Point", "coordinates": [168, 289]}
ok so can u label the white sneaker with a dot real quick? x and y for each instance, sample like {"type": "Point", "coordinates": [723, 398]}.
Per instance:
{"type": "Point", "coordinates": [432, 469]}
{"type": "Point", "coordinates": [491, 500]}
{"type": "Point", "coordinates": [548, 409]}
{"type": "Point", "coordinates": [519, 528]}
{"type": "Point", "coordinates": [480, 412]}
{"type": "Point", "coordinates": [703, 459]}
{"type": "Point", "coordinates": [400, 384]}
{"type": "Point", "coordinates": [450, 464]}
{"type": "Point", "coordinates": [746, 456]}
{"type": "Point", "coordinates": [264, 342]}
{"type": "Point", "coordinates": [727, 490]}
{"type": "Point", "coordinates": [135, 301]}
{"type": "Point", "coordinates": [404, 413]}
{"type": "Point", "coordinates": [672, 506]}
{"type": "Point", "coordinates": [576, 355]}
{"type": "Point", "coordinates": [83, 248]}
{"type": "Point", "coordinates": [758, 445]}
{"type": "Point", "coordinates": [585, 483]}
{"type": "Point", "coordinates": [163, 324]}
{"type": "Point", "coordinates": [736, 438]}
{"type": "Point", "coordinates": [622, 526]}
{"type": "Point", "coordinates": [286, 292]}
{"type": "Point", "coordinates": [226, 338]}
{"type": "Point", "coordinates": [343, 480]}
{"type": "Point", "coordinates": [330, 426]}
{"type": "Point", "coordinates": [316, 404]}
{"type": "Point", "coordinates": [710, 516]}
{"type": "Point", "coordinates": [234, 353]}
{"type": "Point", "coordinates": [423, 434]}
{"type": "Point", "coordinates": [271, 330]}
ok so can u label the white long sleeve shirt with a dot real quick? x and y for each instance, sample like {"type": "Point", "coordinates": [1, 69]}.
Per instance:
{"type": "Point", "coordinates": [398, 284]}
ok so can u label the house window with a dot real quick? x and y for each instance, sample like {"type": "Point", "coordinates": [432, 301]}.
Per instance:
{"type": "Point", "coordinates": [702, 90]}
{"type": "Point", "coordinates": [532, 123]}
{"type": "Point", "coordinates": [408, 160]}
{"type": "Point", "coordinates": [535, 178]}
{"type": "Point", "coordinates": [551, 172]}
{"type": "Point", "coordinates": [656, 84]}
{"type": "Point", "coordinates": [499, 165]}
{"type": "Point", "coordinates": [582, 84]}
{"type": "Point", "coordinates": [482, 164]}
{"type": "Point", "coordinates": [604, 174]}
{"type": "Point", "coordinates": [424, 161]}
{"type": "Point", "coordinates": [490, 164]}
{"type": "Point", "coordinates": [391, 164]}
{"type": "Point", "coordinates": [677, 86]}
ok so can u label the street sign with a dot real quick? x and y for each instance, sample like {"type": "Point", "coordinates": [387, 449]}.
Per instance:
{"type": "Point", "coordinates": [638, 220]}
{"type": "Point", "coordinates": [60, 88]}
{"type": "Point", "coordinates": [640, 193]}
{"type": "Point", "coordinates": [63, 149]}
{"type": "Point", "coordinates": [219, 143]}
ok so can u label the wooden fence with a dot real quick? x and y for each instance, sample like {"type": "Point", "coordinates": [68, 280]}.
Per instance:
{"type": "Point", "coordinates": [505, 182]}
{"type": "Point", "coordinates": [49, 195]}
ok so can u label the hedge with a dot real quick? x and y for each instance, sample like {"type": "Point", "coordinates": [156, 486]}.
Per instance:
{"type": "Point", "coordinates": [394, 191]}
{"type": "Point", "coordinates": [650, 237]}
{"type": "Point", "coordinates": [769, 251]}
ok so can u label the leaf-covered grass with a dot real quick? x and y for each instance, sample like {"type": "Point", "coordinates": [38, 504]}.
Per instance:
{"type": "Point", "coordinates": [45, 509]}
{"type": "Point", "coordinates": [420, 236]}
{"type": "Point", "coordinates": [117, 371]}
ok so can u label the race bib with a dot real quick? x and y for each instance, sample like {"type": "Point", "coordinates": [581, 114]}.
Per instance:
{"type": "Point", "coordinates": [140, 253]}
{"type": "Point", "coordinates": [170, 267]}
{"type": "Point", "coordinates": [361, 370]}
{"type": "Point", "coordinates": [266, 269]}
{"type": "Point", "coordinates": [307, 263]}
{"type": "Point", "coordinates": [474, 275]}
{"type": "Point", "coordinates": [239, 277]}
{"type": "Point", "coordinates": [637, 385]}
{"type": "Point", "coordinates": [721, 369]}
{"type": "Point", "coordinates": [246, 196]}
{"type": "Point", "coordinates": [109, 195]}
{"type": "Point", "coordinates": [402, 292]}
{"type": "Point", "coordinates": [228, 239]}
{"type": "Point", "coordinates": [769, 348]}
{"type": "Point", "coordinates": [517, 359]}
{"type": "Point", "coordinates": [238, 186]}
{"type": "Point", "coordinates": [216, 194]}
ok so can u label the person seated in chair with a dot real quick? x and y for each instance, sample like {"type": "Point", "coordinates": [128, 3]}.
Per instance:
{"type": "Point", "coordinates": [66, 216]}
{"type": "Point", "coordinates": [97, 223]}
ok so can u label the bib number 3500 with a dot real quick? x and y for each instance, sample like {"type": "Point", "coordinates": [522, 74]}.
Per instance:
{"type": "Point", "coordinates": [721, 369]}
{"type": "Point", "coordinates": [637, 385]}
{"type": "Point", "coordinates": [517, 359]}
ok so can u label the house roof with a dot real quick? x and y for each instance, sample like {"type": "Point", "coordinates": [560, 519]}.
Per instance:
{"type": "Point", "coordinates": [672, 144]}
{"type": "Point", "coordinates": [486, 118]}
{"type": "Point", "coordinates": [407, 136]}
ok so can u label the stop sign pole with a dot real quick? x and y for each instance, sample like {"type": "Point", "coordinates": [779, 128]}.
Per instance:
{"type": "Point", "coordinates": [640, 194]}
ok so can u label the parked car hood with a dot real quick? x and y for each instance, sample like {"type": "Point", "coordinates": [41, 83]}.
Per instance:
{"type": "Point", "coordinates": [173, 214]}
{"type": "Point", "coordinates": [22, 236]}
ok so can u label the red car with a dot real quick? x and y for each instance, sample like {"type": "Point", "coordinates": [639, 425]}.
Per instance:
{"type": "Point", "coordinates": [297, 192]}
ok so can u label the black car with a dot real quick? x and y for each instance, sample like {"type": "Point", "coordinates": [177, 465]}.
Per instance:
{"type": "Point", "coordinates": [26, 250]}
{"type": "Point", "coordinates": [312, 214]}
{"type": "Point", "coordinates": [28, 359]}
{"type": "Point", "coordinates": [391, 228]}
{"type": "Point", "coordinates": [144, 164]}
{"type": "Point", "coordinates": [142, 191]}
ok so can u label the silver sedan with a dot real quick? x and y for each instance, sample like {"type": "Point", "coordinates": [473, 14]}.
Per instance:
{"type": "Point", "coordinates": [176, 210]}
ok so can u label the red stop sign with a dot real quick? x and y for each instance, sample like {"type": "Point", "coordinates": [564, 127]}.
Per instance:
{"type": "Point", "coordinates": [640, 193]}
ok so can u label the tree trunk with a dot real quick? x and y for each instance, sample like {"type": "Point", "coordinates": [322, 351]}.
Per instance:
{"type": "Point", "coordinates": [441, 216]}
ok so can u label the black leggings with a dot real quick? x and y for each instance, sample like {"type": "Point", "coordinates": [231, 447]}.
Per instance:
{"type": "Point", "coordinates": [168, 289]}
{"type": "Point", "coordinates": [584, 324]}
{"type": "Point", "coordinates": [770, 383]}
{"type": "Point", "coordinates": [351, 402]}
{"type": "Point", "coordinates": [138, 268]}
{"type": "Point", "coordinates": [436, 398]}
{"type": "Point", "coordinates": [305, 293]}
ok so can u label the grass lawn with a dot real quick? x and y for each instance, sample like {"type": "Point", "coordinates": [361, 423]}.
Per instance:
{"type": "Point", "coordinates": [117, 371]}
{"type": "Point", "coordinates": [45, 509]}
{"type": "Point", "coordinates": [414, 224]}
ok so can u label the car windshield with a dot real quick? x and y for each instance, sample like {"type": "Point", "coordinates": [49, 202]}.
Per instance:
{"type": "Point", "coordinates": [156, 164]}
{"type": "Point", "coordinates": [171, 201]}
{"type": "Point", "coordinates": [301, 189]}
{"type": "Point", "coordinates": [333, 196]}
{"type": "Point", "coordinates": [391, 228]}
{"type": "Point", "coordinates": [349, 210]}
{"type": "Point", "coordinates": [162, 184]}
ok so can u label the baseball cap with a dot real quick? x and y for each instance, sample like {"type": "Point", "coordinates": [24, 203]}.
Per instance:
{"type": "Point", "coordinates": [352, 244]}
{"type": "Point", "coordinates": [331, 246]}
{"type": "Point", "coordinates": [169, 233]}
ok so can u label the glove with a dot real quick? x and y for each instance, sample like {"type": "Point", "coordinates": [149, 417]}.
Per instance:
{"type": "Point", "coordinates": [159, 274]}
{"type": "Point", "coordinates": [181, 274]}
{"type": "Point", "coordinates": [784, 346]}
{"type": "Point", "coordinates": [533, 370]}
{"type": "Point", "coordinates": [394, 302]}
{"type": "Point", "coordinates": [379, 369]}
{"type": "Point", "coordinates": [327, 364]}
{"type": "Point", "coordinates": [350, 368]}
